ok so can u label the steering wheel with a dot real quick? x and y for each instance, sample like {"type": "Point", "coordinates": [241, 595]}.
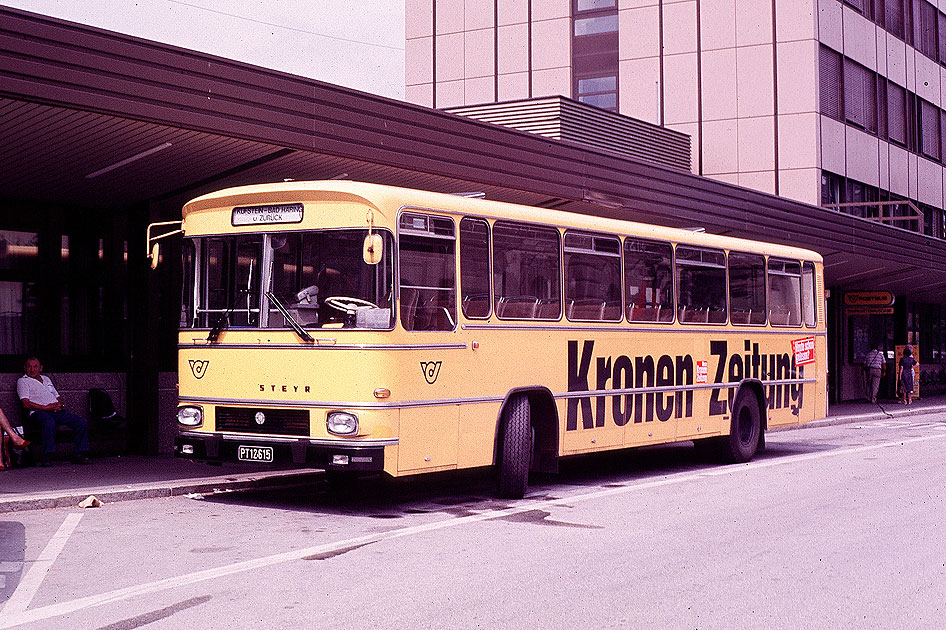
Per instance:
{"type": "Point", "coordinates": [348, 305]}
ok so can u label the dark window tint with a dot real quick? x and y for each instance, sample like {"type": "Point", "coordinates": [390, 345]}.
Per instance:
{"type": "Point", "coordinates": [526, 271]}
{"type": "Point", "coordinates": [896, 113]}
{"type": "Point", "coordinates": [310, 267]}
{"type": "Point", "coordinates": [928, 132]}
{"type": "Point", "coordinates": [784, 292]}
{"type": "Point", "coordinates": [894, 17]}
{"type": "Point", "coordinates": [701, 285]}
{"type": "Point", "coordinates": [474, 267]}
{"type": "Point", "coordinates": [746, 288]}
{"type": "Point", "coordinates": [595, 53]}
{"type": "Point", "coordinates": [941, 36]}
{"type": "Point", "coordinates": [860, 96]}
{"type": "Point", "coordinates": [925, 36]}
{"type": "Point", "coordinates": [426, 265]}
{"type": "Point", "coordinates": [592, 277]}
{"type": "Point", "coordinates": [809, 304]}
{"type": "Point", "coordinates": [231, 288]}
{"type": "Point", "coordinates": [648, 277]}
{"type": "Point", "coordinates": [832, 101]}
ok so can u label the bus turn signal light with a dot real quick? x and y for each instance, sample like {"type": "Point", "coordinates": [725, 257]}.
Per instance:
{"type": "Point", "coordinates": [382, 392]}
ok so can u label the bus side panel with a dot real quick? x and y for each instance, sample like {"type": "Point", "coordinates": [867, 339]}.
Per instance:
{"type": "Point", "coordinates": [477, 434]}
{"type": "Point", "coordinates": [428, 438]}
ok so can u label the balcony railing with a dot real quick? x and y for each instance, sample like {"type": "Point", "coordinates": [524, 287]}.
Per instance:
{"type": "Point", "coordinates": [903, 214]}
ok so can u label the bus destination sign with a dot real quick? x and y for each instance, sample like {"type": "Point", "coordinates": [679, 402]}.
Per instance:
{"type": "Point", "coordinates": [267, 215]}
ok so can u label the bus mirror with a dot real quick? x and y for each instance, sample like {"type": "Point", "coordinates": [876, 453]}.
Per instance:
{"type": "Point", "coordinates": [155, 253]}
{"type": "Point", "coordinates": [373, 248]}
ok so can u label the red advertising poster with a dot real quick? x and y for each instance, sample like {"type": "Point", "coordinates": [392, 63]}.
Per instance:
{"type": "Point", "coordinates": [804, 350]}
{"type": "Point", "coordinates": [702, 371]}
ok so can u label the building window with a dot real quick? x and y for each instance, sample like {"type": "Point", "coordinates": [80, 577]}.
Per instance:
{"type": "Point", "coordinates": [925, 36]}
{"type": "Point", "coordinates": [894, 17]}
{"type": "Point", "coordinates": [896, 114]}
{"type": "Point", "coordinates": [860, 96]}
{"type": "Point", "coordinates": [941, 37]}
{"type": "Point", "coordinates": [928, 132]}
{"type": "Point", "coordinates": [595, 53]}
{"type": "Point", "coordinates": [832, 98]}
{"type": "Point", "coordinates": [863, 6]}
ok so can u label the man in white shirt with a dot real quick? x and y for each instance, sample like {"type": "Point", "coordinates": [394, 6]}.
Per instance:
{"type": "Point", "coordinates": [42, 401]}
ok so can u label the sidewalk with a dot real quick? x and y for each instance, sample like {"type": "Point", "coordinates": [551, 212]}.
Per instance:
{"type": "Point", "coordinates": [124, 478]}
{"type": "Point", "coordinates": [127, 477]}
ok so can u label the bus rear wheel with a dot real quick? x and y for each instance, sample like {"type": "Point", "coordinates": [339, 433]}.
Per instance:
{"type": "Point", "coordinates": [745, 429]}
{"type": "Point", "coordinates": [515, 452]}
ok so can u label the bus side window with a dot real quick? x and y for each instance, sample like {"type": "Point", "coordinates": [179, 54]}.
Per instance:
{"type": "Point", "coordinates": [648, 281]}
{"type": "Point", "coordinates": [746, 288]}
{"type": "Point", "coordinates": [427, 268]}
{"type": "Point", "coordinates": [592, 277]}
{"type": "Point", "coordinates": [526, 271]}
{"type": "Point", "coordinates": [701, 285]}
{"type": "Point", "coordinates": [808, 304]}
{"type": "Point", "coordinates": [784, 292]}
{"type": "Point", "coordinates": [474, 268]}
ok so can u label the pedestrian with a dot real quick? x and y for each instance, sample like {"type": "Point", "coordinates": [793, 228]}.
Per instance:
{"type": "Point", "coordinates": [875, 365]}
{"type": "Point", "coordinates": [905, 376]}
{"type": "Point", "coordinates": [40, 398]}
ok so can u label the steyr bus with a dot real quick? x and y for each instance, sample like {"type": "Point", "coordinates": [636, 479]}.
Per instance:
{"type": "Point", "coordinates": [366, 328]}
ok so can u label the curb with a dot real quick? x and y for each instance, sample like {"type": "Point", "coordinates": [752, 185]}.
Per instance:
{"type": "Point", "coordinates": [859, 417]}
{"type": "Point", "coordinates": [131, 492]}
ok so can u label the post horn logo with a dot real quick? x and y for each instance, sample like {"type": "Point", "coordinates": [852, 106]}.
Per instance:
{"type": "Point", "coordinates": [431, 370]}
{"type": "Point", "coordinates": [198, 368]}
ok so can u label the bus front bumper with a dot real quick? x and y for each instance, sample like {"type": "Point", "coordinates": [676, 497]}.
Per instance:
{"type": "Point", "coordinates": [362, 456]}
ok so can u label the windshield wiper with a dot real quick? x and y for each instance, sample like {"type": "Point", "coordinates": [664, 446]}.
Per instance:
{"type": "Point", "coordinates": [223, 322]}
{"type": "Point", "coordinates": [288, 316]}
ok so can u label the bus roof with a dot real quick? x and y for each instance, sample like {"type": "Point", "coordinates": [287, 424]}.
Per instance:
{"type": "Point", "coordinates": [391, 197]}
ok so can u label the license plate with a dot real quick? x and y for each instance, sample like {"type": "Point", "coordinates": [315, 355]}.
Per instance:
{"type": "Point", "coordinates": [255, 454]}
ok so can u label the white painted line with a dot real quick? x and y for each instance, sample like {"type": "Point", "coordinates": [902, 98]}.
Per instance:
{"type": "Point", "coordinates": [66, 608]}
{"type": "Point", "coordinates": [31, 582]}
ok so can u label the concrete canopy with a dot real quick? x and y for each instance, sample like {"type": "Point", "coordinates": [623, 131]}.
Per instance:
{"type": "Point", "coordinates": [90, 118]}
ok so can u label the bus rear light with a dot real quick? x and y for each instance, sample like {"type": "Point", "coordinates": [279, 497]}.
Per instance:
{"type": "Point", "coordinates": [190, 416]}
{"type": "Point", "coordinates": [341, 423]}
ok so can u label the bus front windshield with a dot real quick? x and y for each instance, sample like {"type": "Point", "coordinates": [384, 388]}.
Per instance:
{"type": "Point", "coordinates": [313, 279]}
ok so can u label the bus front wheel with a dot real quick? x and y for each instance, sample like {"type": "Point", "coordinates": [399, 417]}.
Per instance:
{"type": "Point", "coordinates": [745, 430]}
{"type": "Point", "coordinates": [515, 453]}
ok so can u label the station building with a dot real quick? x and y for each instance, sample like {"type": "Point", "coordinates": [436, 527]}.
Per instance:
{"type": "Point", "coordinates": [102, 134]}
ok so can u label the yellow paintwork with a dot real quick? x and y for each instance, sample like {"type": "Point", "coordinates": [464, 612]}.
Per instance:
{"type": "Point", "coordinates": [344, 367]}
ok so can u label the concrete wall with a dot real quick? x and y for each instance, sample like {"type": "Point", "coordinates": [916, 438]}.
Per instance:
{"type": "Point", "coordinates": [483, 52]}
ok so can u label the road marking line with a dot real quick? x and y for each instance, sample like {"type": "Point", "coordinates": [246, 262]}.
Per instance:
{"type": "Point", "coordinates": [65, 608]}
{"type": "Point", "coordinates": [23, 595]}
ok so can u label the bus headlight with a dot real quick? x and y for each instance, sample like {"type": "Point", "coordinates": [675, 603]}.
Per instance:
{"type": "Point", "coordinates": [190, 416]}
{"type": "Point", "coordinates": [341, 423]}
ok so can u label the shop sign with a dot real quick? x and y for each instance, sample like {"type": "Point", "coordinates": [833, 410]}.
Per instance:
{"type": "Point", "coordinates": [868, 298]}
{"type": "Point", "coordinates": [869, 310]}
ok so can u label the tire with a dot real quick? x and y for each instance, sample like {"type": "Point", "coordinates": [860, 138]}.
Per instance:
{"type": "Point", "coordinates": [515, 452]}
{"type": "Point", "coordinates": [745, 429]}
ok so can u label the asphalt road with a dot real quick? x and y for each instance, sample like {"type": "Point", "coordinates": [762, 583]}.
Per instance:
{"type": "Point", "coordinates": [831, 527]}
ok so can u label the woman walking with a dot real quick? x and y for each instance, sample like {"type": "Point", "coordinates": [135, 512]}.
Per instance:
{"type": "Point", "coordinates": [905, 375]}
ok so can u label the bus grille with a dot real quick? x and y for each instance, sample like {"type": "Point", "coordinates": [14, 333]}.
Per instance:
{"type": "Point", "coordinates": [277, 421]}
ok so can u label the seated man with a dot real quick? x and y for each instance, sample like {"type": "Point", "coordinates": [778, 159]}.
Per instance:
{"type": "Point", "coordinates": [41, 400]}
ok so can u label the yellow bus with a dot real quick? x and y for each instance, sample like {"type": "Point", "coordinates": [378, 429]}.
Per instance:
{"type": "Point", "coordinates": [366, 328]}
